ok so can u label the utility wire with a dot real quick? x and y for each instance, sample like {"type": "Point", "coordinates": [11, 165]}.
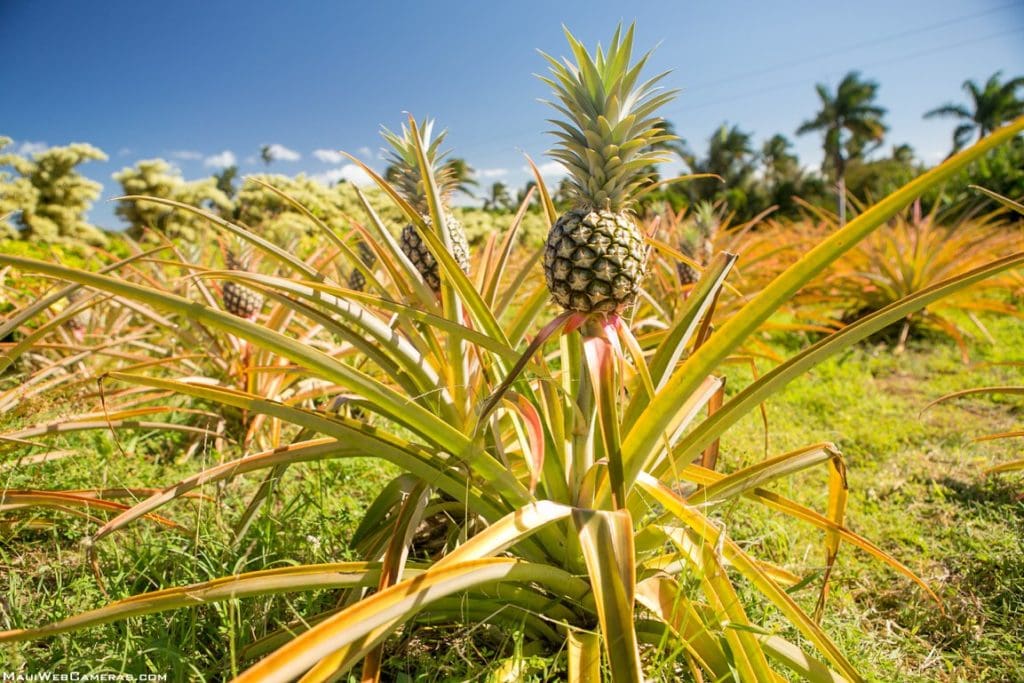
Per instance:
{"type": "Point", "coordinates": [864, 65]}
{"type": "Point", "coordinates": [850, 48]}
{"type": "Point", "coordinates": [680, 108]}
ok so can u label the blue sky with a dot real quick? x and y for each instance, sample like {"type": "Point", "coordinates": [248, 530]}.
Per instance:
{"type": "Point", "coordinates": [201, 83]}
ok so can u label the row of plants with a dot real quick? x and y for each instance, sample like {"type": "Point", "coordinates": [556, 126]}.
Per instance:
{"type": "Point", "coordinates": [557, 438]}
{"type": "Point", "coordinates": [51, 198]}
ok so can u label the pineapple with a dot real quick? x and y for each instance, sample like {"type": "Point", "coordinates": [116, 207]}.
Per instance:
{"type": "Point", "coordinates": [698, 240]}
{"type": "Point", "coordinates": [240, 300]}
{"type": "Point", "coordinates": [595, 258]}
{"type": "Point", "coordinates": [356, 280]}
{"type": "Point", "coordinates": [78, 323]}
{"type": "Point", "coordinates": [404, 172]}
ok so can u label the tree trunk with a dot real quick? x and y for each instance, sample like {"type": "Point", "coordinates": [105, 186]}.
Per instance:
{"type": "Point", "coordinates": [841, 191]}
{"type": "Point", "coordinates": [840, 164]}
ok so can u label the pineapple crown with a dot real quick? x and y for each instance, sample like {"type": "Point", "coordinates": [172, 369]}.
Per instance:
{"type": "Point", "coordinates": [705, 218]}
{"type": "Point", "coordinates": [606, 142]}
{"type": "Point", "coordinates": [703, 227]}
{"type": "Point", "coordinates": [238, 254]}
{"type": "Point", "coordinates": [404, 168]}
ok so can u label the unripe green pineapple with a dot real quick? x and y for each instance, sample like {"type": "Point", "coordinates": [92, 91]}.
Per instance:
{"type": "Point", "coordinates": [404, 173]}
{"type": "Point", "coordinates": [356, 279]}
{"type": "Point", "coordinates": [595, 258]}
{"type": "Point", "coordinates": [238, 299]}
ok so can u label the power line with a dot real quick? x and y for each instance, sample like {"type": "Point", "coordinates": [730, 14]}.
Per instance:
{"type": "Point", "coordinates": [479, 144]}
{"type": "Point", "coordinates": [865, 65]}
{"type": "Point", "coordinates": [850, 48]}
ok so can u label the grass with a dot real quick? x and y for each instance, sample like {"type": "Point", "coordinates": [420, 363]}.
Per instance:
{"type": "Point", "coordinates": [916, 490]}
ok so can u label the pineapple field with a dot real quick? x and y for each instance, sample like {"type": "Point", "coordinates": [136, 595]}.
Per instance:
{"type": "Point", "coordinates": [740, 422]}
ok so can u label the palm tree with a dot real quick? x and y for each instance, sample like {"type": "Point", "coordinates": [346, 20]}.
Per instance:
{"type": "Point", "coordinates": [266, 154]}
{"type": "Point", "coordinates": [226, 180]}
{"type": "Point", "coordinates": [730, 155]}
{"type": "Point", "coordinates": [499, 199]}
{"type": "Point", "coordinates": [903, 153]}
{"type": "Point", "coordinates": [991, 106]}
{"type": "Point", "coordinates": [521, 195]}
{"type": "Point", "coordinates": [464, 174]}
{"type": "Point", "coordinates": [851, 123]}
{"type": "Point", "coordinates": [779, 164]}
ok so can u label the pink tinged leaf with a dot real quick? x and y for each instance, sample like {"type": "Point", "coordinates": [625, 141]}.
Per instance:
{"type": "Point", "coordinates": [574, 321]}
{"type": "Point", "coordinates": [560, 324]}
{"type": "Point", "coordinates": [534, 432]}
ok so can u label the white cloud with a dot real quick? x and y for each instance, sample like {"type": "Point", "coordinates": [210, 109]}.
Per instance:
{"type": "Point", "coordinates": [222, 160]}
{"type": "Point", "coordinates": [186, 155]}
{"type": "Point", "coordinates": [125, 151]}
{"type": "Point", "coordinates": [329, 156]}
{"type": "Point", "coordinates": [550, 169]}
{"type": "Point", "coordinates": [492, 172]}
{"type": "Point", "coordinates": [366, 152]}
{"type": "Point", "coordinates": [349, 172]}
{"type": "Point", "coordinates": [26, 148]}
{"type": "Point", "coordinates": [279, 152]}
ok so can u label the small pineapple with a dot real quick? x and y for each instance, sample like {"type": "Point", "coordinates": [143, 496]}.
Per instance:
{"type": "Point", "coordinates": [78, 323]}
{"type": "Point", "coordinates": [404, 172]}
{"type": "Point", "coordinates": [595, 258]}
{"type": "Point", "coordinates": [356, 280]}
{"type": "Point", "coordinates": [697, 241]}
{"type": "Point", "coordinates": [240, 300]}
{"type": "Point", "coordinates": [688, 275]}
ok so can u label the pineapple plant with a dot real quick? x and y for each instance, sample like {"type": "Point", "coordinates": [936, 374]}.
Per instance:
{"type": "Point", "coordinates": [408, 179]}
{"type": "Point", "coordinates": [78, 323]}
{"type": "Point", "coordinates": [697, 241]}
{"type": "Point", "coordinates": [238, 299]}
{"type": "Point", "coordinates": [356, 280]}
{"type": "Point", "coordinates": [595, 258]}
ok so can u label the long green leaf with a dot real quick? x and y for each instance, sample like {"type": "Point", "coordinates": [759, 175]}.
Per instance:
{"type": "Point", "coordinates": [607, 542]}
{"type": "Point", "coordinates": [773, 381]}
{"type": "Point", "coordinates": [715, 537]}
{"type": "Point", "coordinates": [381, 397]}
{"type": "Point", "coordinates": [354, 437]}
{"type": "Point", "coordinates": [650, 427]}
{"type": "Point", "coordinates": [353, 631]}
{"type": "Point", "coordinates": [301, 578]}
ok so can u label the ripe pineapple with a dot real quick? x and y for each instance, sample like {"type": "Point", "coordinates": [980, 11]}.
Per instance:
{"type": "Point", "coordinates": [240, 300]}
{"type": "Point", "coordinates": [595, 257]}
{"type": "Point", "coordinates": [404, 172]}
{"type": "Point", "coordinates": [698, 240]}
{"type": "Point", "coordinates": [356, 280]}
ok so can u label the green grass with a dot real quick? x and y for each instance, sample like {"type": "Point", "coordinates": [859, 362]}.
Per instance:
{"type": "Point", "coordinates": [916, 485]}
{"type": "Point", "coordinates": [917, 490]}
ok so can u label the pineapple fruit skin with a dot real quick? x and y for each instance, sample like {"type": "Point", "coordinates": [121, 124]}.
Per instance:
{"type": "Point", "coordinates": [594, 261]}
{"type": "Point", "coordinates": [356, 281]}
{"type": "Point", "coordinates": [419, 253]}
{"type": "Point", "coordinates": [241, 301]}
{"type": "Point", "coordinates": [688, 275]}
